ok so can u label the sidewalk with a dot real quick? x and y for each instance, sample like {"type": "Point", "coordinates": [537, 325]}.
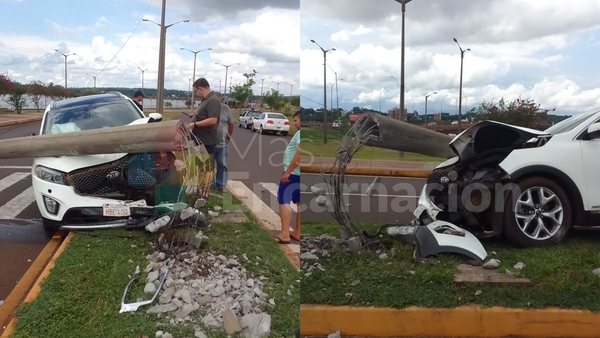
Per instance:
{"type": "Point", "coordinates": [13, 119]}
{"type": "Point", "coordinates": [369, 167]}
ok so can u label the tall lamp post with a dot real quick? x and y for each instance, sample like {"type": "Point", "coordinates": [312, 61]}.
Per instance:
{"type": "Point", "coordinates": [277, 85]}
{"type": "Point", "coordinates": [94, 76]}
{"type": "Point", "coordinates": [161, 56]}
{"type": "Point", "coordinates": [226, 69]}
{"type": "Point", "coordinates": [426, 96]}
{"type": "Point", "coordinates": [291, 88]}
{"type": "Point", "coordinates": [337, 97]}
{"type": "Point", "coordinates": [401, 115]}
{"type": "Point", "coordinates": [324, 89]}
{"type": "Point", "coordinates": [143, 70]}
{"type": "Point", "coordinates": [194, 72]}
{"type": "Point", "coordinates": [462, 55]}
{"type": "Point", "coordinates": [262, 84]}
{"type": "Point", "coordinates": [399, 94]}
{"type": "Point", "coordinates": [442, 101]}
{"type": "Point", "coordinates": [65, 55]}
{"type": "Point", "coordinates": [380, 92]}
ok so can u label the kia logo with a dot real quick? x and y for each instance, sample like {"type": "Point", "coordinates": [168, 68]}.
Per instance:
{"type": "Point", "coordinates": [113, 175]}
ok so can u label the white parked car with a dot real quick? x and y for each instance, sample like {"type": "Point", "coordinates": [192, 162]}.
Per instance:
{"type": "Point", "coordinates": [95, 191]}
{"type": "Point", "coordinates": [531, 186]}
{"type": "Point", "coordinates": [245, 120]}
{"type": "Point", "coordinates": [271, 123]}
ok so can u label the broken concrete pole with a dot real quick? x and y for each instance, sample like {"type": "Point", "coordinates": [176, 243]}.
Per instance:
{"type": "Point", "coordinates": [384, 132]}
{"type": "Point", "coordinates": [141, 138]}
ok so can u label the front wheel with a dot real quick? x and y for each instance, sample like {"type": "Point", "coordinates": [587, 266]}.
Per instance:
{"type": "Point", "coordinates": [262, 131]}
{"type": "Point", "coordinates": [537, 214]}
{"type": "Point", "coordinates": [253, 130]}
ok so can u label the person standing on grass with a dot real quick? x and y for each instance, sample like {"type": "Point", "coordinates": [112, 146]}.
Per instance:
{"type": "Point", "coordinates": [289, 187]}
{"type": "Point", "coordinates": [222, 148]}
{"type": "Point", "coordinates": [205, 123]}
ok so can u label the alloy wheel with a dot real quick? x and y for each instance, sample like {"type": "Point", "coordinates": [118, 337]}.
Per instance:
{"type": "Point", "coordinates": [539, 213]}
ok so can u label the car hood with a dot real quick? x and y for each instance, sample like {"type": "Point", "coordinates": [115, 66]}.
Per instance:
{"type": "Point", "coordinates": [488, 135]}
{"type": "Point", "coordinates": [67, 164]}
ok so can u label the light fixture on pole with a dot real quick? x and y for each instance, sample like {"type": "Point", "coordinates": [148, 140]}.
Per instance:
{"type": "Point", "coordinates": [65, 55]}
{"type": "Point", "coordinates": [426, 96]}
{"type": "Point", "coordinates": [401, 115]}
{"type": "Point", "coordinates": [94, 76]}
{"type": "Point", "coordinates": [161, 56]}
{"type": "Point", "coordinates": [262, 84]}
{"type": "Point", "coordinates": [325, 120]}
{"type": "Point", "coordinates": [277, 85]}
{"type": "Point", "coordinates": [226, 69]}
{"type": "Point", "coordinates": [462, 55]}
{"type": "Point", "coordinates": [194, 71]}
{"type": "Point", "coordinates": [291, 88]}
{"type": "Point", "coordinates": [143, 70]}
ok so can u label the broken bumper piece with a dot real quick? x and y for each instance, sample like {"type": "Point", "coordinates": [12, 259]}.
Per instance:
{"type": "Point", "coordinates": [132, 307]}
{"type": "Point", "coordinates": [444, 237]}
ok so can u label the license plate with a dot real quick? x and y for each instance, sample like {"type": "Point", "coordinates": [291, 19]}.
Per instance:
{"type": "Point", "coordinates": [116, 210]}
{"type": "Point", "coordinates": [278, 127]}
{"type": "Point", "coordinates": [419, 211]}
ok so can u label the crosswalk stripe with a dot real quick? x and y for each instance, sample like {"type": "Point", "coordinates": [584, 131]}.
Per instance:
{"type": "Point", "coordinates": [272, 188]}
{"type": "Point", "coordinates": [12, 179]}
{"type": "Point", "coordinates": [14, 207]}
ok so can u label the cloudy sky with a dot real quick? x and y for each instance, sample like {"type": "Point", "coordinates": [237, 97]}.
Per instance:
{"type": "Point", "coordinates": [543, 50]}
{"type": "Point", "coordinates": [111, 42]}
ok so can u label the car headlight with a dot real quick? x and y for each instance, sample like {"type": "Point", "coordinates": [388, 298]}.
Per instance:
{"type": "Point", "coordinates": [50, 175]}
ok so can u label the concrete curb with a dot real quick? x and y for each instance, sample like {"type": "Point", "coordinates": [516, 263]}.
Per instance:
{"type": "Point", "coordinates": [36, 288]}
{"type": "Point", "coordinates": [465, 321]}
{"type": "Point", "coordinates": [414, 173]}
{"type": "Point", "coordinates": [21, 121]}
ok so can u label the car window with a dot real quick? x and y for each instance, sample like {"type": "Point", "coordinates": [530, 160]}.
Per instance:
{"type": "Point", "coordinates": [276, 116]}
{"type": "Point", "coordinates": [255, 114]}
{"type": "Point", "coordinates": [570, 123]}
{"type": "Point", "coordinates": [90, 116]}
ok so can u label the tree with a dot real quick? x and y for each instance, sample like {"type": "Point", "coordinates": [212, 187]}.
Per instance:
{"type": "Point", "coordinates": [295, 100]}
{"type": "Point", "coordinates": [5, 84]}
{"type": "Point", "coordinates": [241, 93]}
{"type": "Point", "coordinates": [36, 91]}
{"type": "Point", "coordinates": [274, 99]}
{"type": "Point", "coordinates": [521, 112]}
{"type": "Point", "coordinates": [16, 97]}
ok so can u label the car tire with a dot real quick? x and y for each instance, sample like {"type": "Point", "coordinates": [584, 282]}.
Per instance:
{"type": "Point", "coordinates": [525, 208]}
{"type": "Point", "coordinates": [284, 133]}
{"type": "Point", "coordinates": [253, 130]}
{"type": "Point", "coordinates": [247, 126]}
{"type": "Point", "coordinates": [262, 131]}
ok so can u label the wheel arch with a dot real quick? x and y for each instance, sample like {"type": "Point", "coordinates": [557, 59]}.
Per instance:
{"type": "Point", "coordinates": [558, 176]}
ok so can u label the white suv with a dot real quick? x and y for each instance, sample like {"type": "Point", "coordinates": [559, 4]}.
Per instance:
{"type": "Point", "coordinates": [532, 186]}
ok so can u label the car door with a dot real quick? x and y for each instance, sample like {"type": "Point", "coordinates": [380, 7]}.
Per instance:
{"type": "Point", "coordinates": [259, 120]}
{"type": "Point", "coordinates": [590, 153]}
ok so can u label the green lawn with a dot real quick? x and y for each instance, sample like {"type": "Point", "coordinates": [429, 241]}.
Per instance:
{"type": "Point", "coordinates": [81, 296]}
{"type": "Point", "coordinates": [313, 145]}
{"type": "Point", "coordinates": [561, 276]}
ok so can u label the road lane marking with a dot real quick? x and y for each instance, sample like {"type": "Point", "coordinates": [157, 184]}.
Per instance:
{"type": "Point", "coordinates": [272, 188]}
{"type": "Point", "coordinates": [12, 179]}
{"type": "Point", "coordinates": [365, 195]}
{"type": "Point", "coordinates": [14, 207]}
{"type": "Point", "coordinates": [15, 167]}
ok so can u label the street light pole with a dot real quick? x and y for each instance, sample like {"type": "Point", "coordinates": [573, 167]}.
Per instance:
{"type": "Point", "coordinates": [399, 94]}
{"type": "Point", "coordinates": [426, 96]}
{"type": "Point", "coordinates": [442, 102]}
{"type": "Point", "coordinates": [226, 70]}
{"type": "Point", "coordinates": [462, 55]}
{"type": "Point", "coordinates": [401, 113]}
{"type": "Point", "coordinates": [94, 79]}
{"type": "Point", "coordinates": [65, 55]}
{"type": "Point", "coordinates": [143, 70]}
{"type": "Point", "coordinates": [337, 97]}
{"type": "Point", "coordinates": [324, 89]}
{"type": "Point", "coordinates": [262, 84]}
{"type": "Point", "coordinates": [194, 71]}
{"type": "Point", "coordinates": [161, 56]}
{"type": "Point", "coordinates": [380, 92]}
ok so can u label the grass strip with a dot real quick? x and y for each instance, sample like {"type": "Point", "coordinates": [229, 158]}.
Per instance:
{"type": "Point", "coordinates": [561, 276]}
{"type": "Point", "coordinates": [82, 294]}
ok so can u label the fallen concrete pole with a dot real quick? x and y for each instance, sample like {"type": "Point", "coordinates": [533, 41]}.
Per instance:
{"type": "Point", "coordinates": [384, 132]}
{"type": "Point", "coordinates": [141, 138]}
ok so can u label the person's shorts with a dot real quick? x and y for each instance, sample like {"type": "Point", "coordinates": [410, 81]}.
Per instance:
{"type": "Point", "coordinates": [289, 191]}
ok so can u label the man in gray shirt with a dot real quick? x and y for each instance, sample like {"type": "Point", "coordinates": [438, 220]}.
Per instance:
{"type": "Point", "coordinates": [222, 148]}
{"type": "Point", "coordinates": [205, 123]}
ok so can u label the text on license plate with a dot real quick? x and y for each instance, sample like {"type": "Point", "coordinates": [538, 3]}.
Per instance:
{"type": "Point", "coordinates": [115, 210]}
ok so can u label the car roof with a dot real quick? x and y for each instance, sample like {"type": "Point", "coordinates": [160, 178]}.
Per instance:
{"type": "Point", "coordinates": [88, 99]}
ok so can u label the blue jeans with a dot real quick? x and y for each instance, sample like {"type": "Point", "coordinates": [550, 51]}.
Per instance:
{"type": "Point", "coordinates": [220, 154]}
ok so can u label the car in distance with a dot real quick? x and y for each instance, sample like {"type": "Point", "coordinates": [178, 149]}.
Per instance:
{"type": "Point", "coordinates": [271, 123]}
{"type": "Point", "coordinates": [245, 120]}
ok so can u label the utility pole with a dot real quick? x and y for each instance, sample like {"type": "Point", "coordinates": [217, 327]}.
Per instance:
{"type": "Point", "coordinates": [194, 71]}
{"type": "Point", "coordinates": [143, 70]}
{"type": "Point", "coordinates": [262, 83]}
{"type": "Point", "coordinates": [226, 69]}
{"type": "Point", "coordinates": [94, 79]}
{"type": "Point", "coordinates": [401, 113]}
{"type": "Point", "coordinates": [336, 94]}
{"type": "Point", "coordinates": [426, 96]}
{"type": "Point", "coordinates": [325, 120]}
{"type": "Point", "coordinates": [462, 55]}
{"type": "Point", "coordinates": [65, 55]}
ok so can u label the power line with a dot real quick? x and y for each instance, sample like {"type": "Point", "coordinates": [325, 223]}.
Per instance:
{"type": "Point", "coordinates": [124, 44]}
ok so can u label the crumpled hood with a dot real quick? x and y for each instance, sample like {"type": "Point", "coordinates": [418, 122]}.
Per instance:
{"type": "Point", "coordinates": [488, 135]}
{"type": "Point", "coordinates": [69, 163]}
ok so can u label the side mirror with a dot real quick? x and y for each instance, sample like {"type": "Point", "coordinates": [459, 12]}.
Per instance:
{"type": "Point", "coordinates": [593, 131]}
{"type": "Point", "coordinates": [156, 117]}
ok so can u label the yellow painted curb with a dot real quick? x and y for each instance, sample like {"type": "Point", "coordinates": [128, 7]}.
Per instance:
{"type": "Point", "coordinates": [415, 173]}
{"type": "Point", "coordinates": [465, 321]}
{"type": "Point", "coordinates": [12, 123]}
{"type": "Point", "coordinates": [35, 290]}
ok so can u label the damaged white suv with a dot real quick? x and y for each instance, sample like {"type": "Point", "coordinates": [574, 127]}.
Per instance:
{"type": "Point", "coordinates": [532, 186]}
{"type": "Point", "coordinates": [104, 190]}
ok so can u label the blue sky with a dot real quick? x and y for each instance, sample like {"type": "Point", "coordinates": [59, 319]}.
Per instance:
{"type": "Point", "coordinates": [110, 41]}
{"type": "Point", "coordinates": [543, 50]}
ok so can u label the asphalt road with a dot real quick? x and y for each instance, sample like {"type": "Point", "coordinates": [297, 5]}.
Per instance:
{"type": "Point", "coordinates": [254, 159]}
{"type": "Point", "coordinates": [393, 202]}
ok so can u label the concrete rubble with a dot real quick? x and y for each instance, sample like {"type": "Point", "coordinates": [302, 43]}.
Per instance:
{"type": "Point", "coordinates": [208, 291]}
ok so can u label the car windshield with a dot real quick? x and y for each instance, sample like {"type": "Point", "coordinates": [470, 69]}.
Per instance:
{"type": "Point", "coordinates": [254, 114]}
{"type": "Point", "coordinates": [276, 116]}
{"type": "Point", "coordinates": [570, 123]}
{"type": "Point", "coordinates": [90, 116]}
